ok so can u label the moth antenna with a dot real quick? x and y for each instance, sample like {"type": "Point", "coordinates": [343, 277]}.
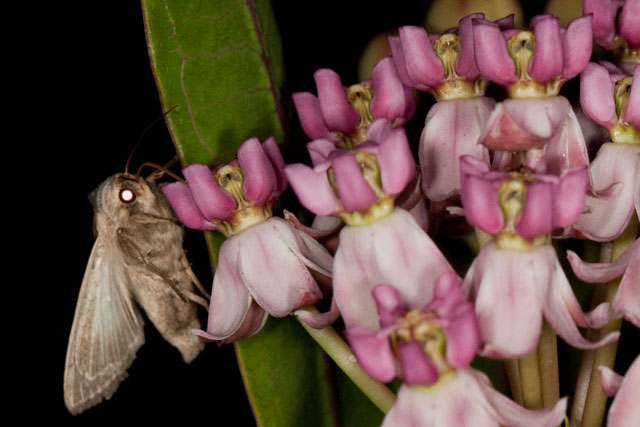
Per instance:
{"type": "Point", "coordinates": [162, 169]}
{"type": "Point", "coordinates": [144, 132]}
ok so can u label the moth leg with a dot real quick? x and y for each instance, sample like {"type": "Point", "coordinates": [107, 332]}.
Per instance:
{"type": "Point", "coordinates": [187, 266]}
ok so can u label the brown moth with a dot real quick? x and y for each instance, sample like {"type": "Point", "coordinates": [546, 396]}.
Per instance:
{"type": "Point", "coordinates": [137, 258]}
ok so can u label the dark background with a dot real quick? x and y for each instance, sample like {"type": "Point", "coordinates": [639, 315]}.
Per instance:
{"type": "Point", "coordinates": [98, 97]}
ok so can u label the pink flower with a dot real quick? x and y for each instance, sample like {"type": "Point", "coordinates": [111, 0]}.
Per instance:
{"type": "Point", "coordinates": [532, 64]}
{"type": "Point", "coordinates": [342, 116]}
{"type": "Point", "coordinates": [624, 410]}
{"type": "Point", "coordinates": [264, 263]}
{"type": "Point", "coordinates": [516, 279]}
{"type": "Point", "coordinates": [627, 300]}
{"type": "Point", "coordinates": [615, 198]}
{"type": "Point", "coordinates": [430, 347]}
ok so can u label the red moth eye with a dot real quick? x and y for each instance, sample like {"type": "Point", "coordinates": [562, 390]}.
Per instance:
{"type": "Point", "coordinates": [127, 196]}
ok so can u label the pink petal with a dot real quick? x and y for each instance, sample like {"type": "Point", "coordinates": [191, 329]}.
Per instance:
{"type": "Point", "coordinates": [604, 20]}
{"type": "Point", "coordinates": [212, 201]}
{"type": "Point", "coordinates": [536, 217]}
{"type": "Point", "coordinates": [506, 23]}
{"type": "Point", "coordinates": [181, 200]}
{"type": "Point", "coordinates": [398, 59]}
{"type": "Point", "coordinates": [632, 115]}
{"type": "Point", "coordinates": [308, 108]}
{"type": "Point", "coordinates": [568, 148]}
{"type": "Point", "coordinates": [615, 165]}
{"type": "Point", "coordinates": [319, 320]}
{"type": "Point", "coordinates": [319, 150]}
{"type": "Point", "coordinates": [260, 179]}
{"type": "Point", "coordinates": [625, 411]}
{"type": "Point", "coordinates": [416, 367]}
{"type": "Point", "coordinates": [390, 97]}
{"type": "Point", "coordinates": [547, 60]}
{"type": "Point", "coordinates": [397, 166]}
{"type": "Point", "coordinates": [508, 297]}
{"type": "Point", "coordinates": [596, 95]}
{"type": "Point", "coordinates": [452, 129]}
{"type": "Point", "coordinates": [230, 299]}
{"type": "Point", "coordinates": [627, 301]}
{"type": "Point", "coordinates": [270, 147]}
{"type": "Point", "coordinates": [312, 188]}
{"type": "Point", "coordinates": [354, 192]}
{"type": "Point", "coordinates": [479, 195]}
{"type": "Point", "coordinates": [422, 64]}
{"type": "Point", "coordinates": [510, 413]}
{"type": "Point", "coordinates": [254, 321]}
{"type": "Point", "coordinates": [466, 62]}
{"type": "Point", "coordinates": [492, 58]}
{"type": "Point", "coordinates": [569, 195]}
{"type": "Point", "coordinates": [577, 44]}
{"type": "Point", "coordinates": [338, 114]}
{"type": "Point", "coordinates": [389, 304]}
{"type": "Point", "coordinates": [524, 124]}
{"type": "Point", "coordinates": [610, 381]}
{"type": "Point", "coordinates": [602, 272]}
{"type": "Point", "coordinates": [373, 352]}
{"type": "Point", "coordinates": [630, 23]}
{"type": "Point", "coordinates": [563, 321]}
{"type": "Point", "coordinates": [275, 275]}
{"type": "Point", "coordinates": [392, 247]}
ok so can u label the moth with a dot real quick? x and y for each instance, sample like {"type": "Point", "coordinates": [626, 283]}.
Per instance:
{"type": "Point", "coordinates": [137, 259]}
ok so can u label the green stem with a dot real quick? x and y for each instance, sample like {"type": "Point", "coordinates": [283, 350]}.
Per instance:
{"type": "Point", "coordinates": [339, 351]}
{"type": "Point", "coordinates": [513, 374]}
{"type": "Point", "coordinates": [548, 359]}
{"type": "Point", "coordinates": [531, 384]}
{"type": "Point", "coordinates": [592, 412]}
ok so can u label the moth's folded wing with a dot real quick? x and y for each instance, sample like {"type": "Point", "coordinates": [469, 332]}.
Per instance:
{"type": "Point", "coordinates": [107, 331]}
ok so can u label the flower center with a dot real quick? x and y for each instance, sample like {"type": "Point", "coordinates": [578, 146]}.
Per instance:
{"type": "Point", "coordinates": [360, 97]}
{"type": "Point", "coordinates": [423, 328]}
{"type": "Point", "coordinates": [623, 132]}
{"type": "Point", "coordinates": [230, 178]}
{"type": "Point", "coordinates": [455, 86]}
{"type": "Point", "coordinates": [521, 47]}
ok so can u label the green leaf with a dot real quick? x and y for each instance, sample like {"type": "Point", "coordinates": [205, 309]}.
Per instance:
{"type": "Point", "coordinates": [220, 62]}
{"type": "Point", "coordinates": [356, 410]}
{"type": "Point", "coordinates": [285, 376]}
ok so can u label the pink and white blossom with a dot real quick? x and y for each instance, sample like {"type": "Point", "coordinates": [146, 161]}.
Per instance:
{"type": "Point", "coordinates": [624, 410]}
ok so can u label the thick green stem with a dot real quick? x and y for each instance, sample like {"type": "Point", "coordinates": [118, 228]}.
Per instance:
{"type": "Point", "coordinates": [529, 369]}
{"type": "Point", "coordinates": [548, 359]}
{"type": "Point", "coordinates": [591, 413]}
{"type": "Point", "coordinates": [339, 351]}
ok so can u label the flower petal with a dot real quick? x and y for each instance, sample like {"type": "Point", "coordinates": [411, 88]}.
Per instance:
{"type": "Point", "coordinates": [596, 95]}
{"type": "Point", "coordinates": [319, 150]}
{"type": "Point", "coordinates": [615, 165]}
{"type": "Point", "coordinates": [479, 195]}
{"type": "Point", "coordinates": [610, 381]}
{"type": "Point", "coordinates": [260, 179]}
{"type": "Point", "coordinates": [389, 304]}
{"type": "Point", "coordinates": [373, 352]}
{"type": "Point", "coordinates": [422, 64]}
{"type": "Point", "coordinates": [569, 195]}
{"type": "Point", "coordinates": [466, 61]}
{"type": "Point", "coordinates": [452, 129]}
{"type": "Point", "coordinates": [270, 147]}
{"type": "Point", "coordinates": [397, 166]}
{"type": "Point", "coordinates": [390, 98]}
{"type": "Point", "coordinates": [318, 320]}
{"type": "Point", "coordinates": [338, 114]}
{"type": "Point", "coordinates": [547, 60]}
{"type": "Point", "coordinates": [568, 148]}
{"type": "Point", "coordinates": [212, 201]}
{"type": "Point", "coordinates": [629, 23]}
{"type": "Point", "coordinates": [577, 43]}
{"type": "Point", "coordinates": [312, 188]}
{"type": "Point", "coordinates": [492, 59]}
{"type": "Point", "coordinates": [310, 115]}
{"type": "Point", "coordinates": [624, 410]}
{"type": "Point", "coordinates": [398, 59]}
{"type": "Point", "coordinates": [627, 301]}
{"type": "Point", "coordinates": [536, 217]}
{"type": "Point", "coordinates": [354, 192]}
{"type": "Point", "coordinates": [417, 368]}
{"type": "Point", "coordinates": [254, 321]}
{"type": "Point", "coordinates": [181, 200]}
{"type": "Point", "coordinates": [632, 115]}
{"type": "Point", "coordinates": [604, 20]}
{"type": "Point", "coordinates": [603, 272]}
{"type": "Point", "coordinates": [275, 275]}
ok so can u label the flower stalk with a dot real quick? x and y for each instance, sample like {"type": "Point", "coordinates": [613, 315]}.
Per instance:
{"type": "Point", "coordinates": [590, 400]}
{"type": "Point", "coordinates": [333, 344]}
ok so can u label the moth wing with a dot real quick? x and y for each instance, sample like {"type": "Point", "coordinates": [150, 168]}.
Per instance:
{"type": "Point", "coordinates": [107, 331]}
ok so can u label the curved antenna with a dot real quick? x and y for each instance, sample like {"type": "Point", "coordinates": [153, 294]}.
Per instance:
{"type": "Point", "coordinates": [163, 169]}
{"type": "Point", "coordinates": [144, 132]}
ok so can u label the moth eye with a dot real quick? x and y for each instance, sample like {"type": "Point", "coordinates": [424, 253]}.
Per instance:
{"type": "Point", "coordinates": [127, 196]}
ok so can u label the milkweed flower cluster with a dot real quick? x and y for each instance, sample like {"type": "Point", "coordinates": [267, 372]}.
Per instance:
{"type": "Point", "coordinates": [520, 170]}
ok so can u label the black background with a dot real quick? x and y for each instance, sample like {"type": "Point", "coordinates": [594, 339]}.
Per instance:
{"type": "Point", "coordinates": [98, 96]}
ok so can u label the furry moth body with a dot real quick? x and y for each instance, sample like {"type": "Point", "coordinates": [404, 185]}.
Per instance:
{"type": "Point", "coordinates": [137, 258]}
